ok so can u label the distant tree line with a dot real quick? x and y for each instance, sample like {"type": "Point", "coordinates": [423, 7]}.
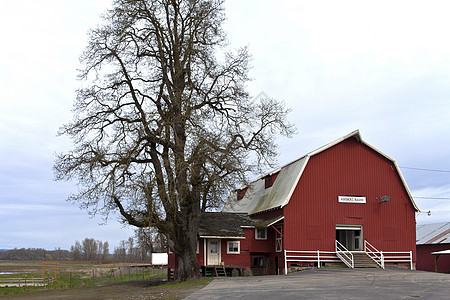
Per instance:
{"type": "Point", "coordinates": [137, 248]}
{"type": "Point", "coordinates": [35, 254]}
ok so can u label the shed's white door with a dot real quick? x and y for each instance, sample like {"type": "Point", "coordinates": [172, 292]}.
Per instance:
{"type": "Point", "coordinates": [214, 252]}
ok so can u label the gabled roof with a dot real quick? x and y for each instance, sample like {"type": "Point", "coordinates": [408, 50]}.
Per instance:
{"type": "Point", "coordinates": [258, 199]}
{"type": "Point", "coordinates": [224, 225]}
{"type": "Point", "coordinates": [438, 233]}
{"type": "Point", "coordinates": [268, 222]}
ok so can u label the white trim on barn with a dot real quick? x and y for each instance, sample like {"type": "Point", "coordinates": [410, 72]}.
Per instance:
{"type": "Point", "coordinates": [222, 237]}
{"type": "Point", "coordinates": [275, 221]}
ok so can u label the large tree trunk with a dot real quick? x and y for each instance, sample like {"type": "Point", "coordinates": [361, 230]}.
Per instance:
{"type": "Point", "coordinates": [185, 245]}
{"type": "Point", "coordinates": [187, 266]}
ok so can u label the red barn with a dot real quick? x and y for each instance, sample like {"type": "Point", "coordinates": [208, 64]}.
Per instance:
{"type": "Point", "coordinates": [344, 202]}
{"type": "Point", "coordinates": [432, 238]}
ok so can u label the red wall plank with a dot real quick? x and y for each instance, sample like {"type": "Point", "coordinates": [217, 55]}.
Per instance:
{"type": "Point", "coordinates": [425, 260]}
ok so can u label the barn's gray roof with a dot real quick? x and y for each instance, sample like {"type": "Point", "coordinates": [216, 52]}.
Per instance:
{"type": "Point", "coordinates": [224, 225]}
{"type": "Point", "coordinates": [259, 199]}
{"type": "Point", "coordinates": [437, 233]}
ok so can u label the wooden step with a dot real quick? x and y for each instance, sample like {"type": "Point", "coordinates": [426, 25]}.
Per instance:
{"type": "Point", "coordinates": [170, 274]}
{"type": "Point", "coordinates": [220, 271]}
{"type": "Point", "coordinates": [362, 260]}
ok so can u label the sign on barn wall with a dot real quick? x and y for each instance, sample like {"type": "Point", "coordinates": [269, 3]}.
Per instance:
{"type": "Point", "coordinates": [351, 199]}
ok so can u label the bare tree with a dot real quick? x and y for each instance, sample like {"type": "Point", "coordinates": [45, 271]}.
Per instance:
{"type": "Point", "coordinates": [163, 126]}
{"type": "Point", "coordinates": [76, 251]}
{"type": "Point", "coordinates": [132, 251]}
{"type": "Point", "coordinates": [105, 250]}
{"type": "Point", "coordinates": [144, 242]}
{"type": "Point", "coordinates": [89, 246]}
{"type": "Point", "coordinates": [120, 252]}
{"type": "Point", "coordinates": [99, 250]}
{"type": "Point", "coordinates": [149, 240]}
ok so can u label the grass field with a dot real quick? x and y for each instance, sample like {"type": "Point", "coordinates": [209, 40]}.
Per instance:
{"type": "Point", "coordinates": [94, 280]}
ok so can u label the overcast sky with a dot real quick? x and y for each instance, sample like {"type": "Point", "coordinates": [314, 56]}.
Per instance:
{"type": "Point", "coordinates": [382, 67]}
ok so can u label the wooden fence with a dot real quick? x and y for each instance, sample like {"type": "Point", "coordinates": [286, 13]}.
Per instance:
{"type": "Point", "coordinates": [21, 282]}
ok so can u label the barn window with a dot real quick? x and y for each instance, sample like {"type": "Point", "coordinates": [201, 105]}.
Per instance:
{"type": "Point", "coordinates": [270, 179]}
{"type": "Point", "coordinates": [241, 193]}
{"type": "Point", "coordinates": [257, 261]}
{"type": "Point", "coordinates": [261, 233]}
{"type": "Point", "coordinates": [233, 247]}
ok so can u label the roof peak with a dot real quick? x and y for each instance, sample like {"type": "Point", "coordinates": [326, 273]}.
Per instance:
{"type": "Point", "coordinates": [354, 133]}
{"type": "Point", "coordinates": [262, 199]}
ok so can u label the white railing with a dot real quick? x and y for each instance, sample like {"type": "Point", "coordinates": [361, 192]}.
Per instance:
{"type": "Point", "coordinates": [308, 256]}
{"type": "Point", "coordinates": [398, 256]}
{"type": "Point", "coordinates": [383, 257]}
{"type": "Point", "coordinates": [374, 254]}
{"type": "Point", "coordinates": [345, 255]}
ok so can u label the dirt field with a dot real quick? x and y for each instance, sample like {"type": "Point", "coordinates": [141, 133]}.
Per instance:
{"type": "Point", "coordinates": [155, 289]}
{"type": "Point", "coordinates": [89, 280]}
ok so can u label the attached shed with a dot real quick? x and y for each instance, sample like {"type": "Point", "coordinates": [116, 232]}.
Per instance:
{"type": "Point", "coordinates": [433, 238]}
{"type": "Point", "coordinates": [345, 202]}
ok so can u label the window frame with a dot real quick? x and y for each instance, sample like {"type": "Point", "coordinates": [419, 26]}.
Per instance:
{"type": "Point", "coordinates": [279, 238]}
{"type": "Point", "coordinates": [238, 247]}
{"type": "Point", "coordinates": [265, 234]}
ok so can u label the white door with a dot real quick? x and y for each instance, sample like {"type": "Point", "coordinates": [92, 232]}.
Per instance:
{"type": "Point", "coordinates": [213, 252]}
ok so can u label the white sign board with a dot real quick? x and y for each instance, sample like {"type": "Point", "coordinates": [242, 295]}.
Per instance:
{"type": "Point", "coordinates": [351, 199]}
{"type": "Point", "coordinates": [159, 258]}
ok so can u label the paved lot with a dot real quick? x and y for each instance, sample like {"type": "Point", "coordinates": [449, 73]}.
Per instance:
{"type": "Point", "coordinates": [327, 283]}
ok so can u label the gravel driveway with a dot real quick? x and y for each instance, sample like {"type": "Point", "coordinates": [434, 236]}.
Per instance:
{"type": "Point", "coordinates": [328, 283]}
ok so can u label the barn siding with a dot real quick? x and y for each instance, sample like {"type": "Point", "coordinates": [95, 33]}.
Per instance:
{"type": "Point", "coordinates": [261, 246]}
{"type": "Point", "coordinates": [426, 260]}
{"type": "Point", "coordinates": [349, 169]}
{"type": "Point", "coordinates": [242, 259]}
{"type": "Point", "coordinates": [248, 247]}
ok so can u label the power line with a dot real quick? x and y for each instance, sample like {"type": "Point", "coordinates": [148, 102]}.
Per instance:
{"type": "Point", "coordinates": [433, 198]}
{"type": "Point", "coordinates": [428, 170]}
